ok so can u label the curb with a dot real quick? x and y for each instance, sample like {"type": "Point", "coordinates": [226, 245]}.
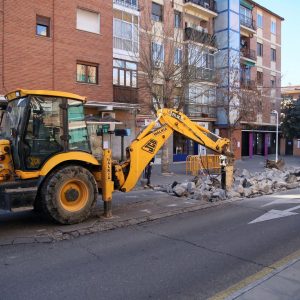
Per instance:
{"type": "Point", "coordinates": [104, 224]}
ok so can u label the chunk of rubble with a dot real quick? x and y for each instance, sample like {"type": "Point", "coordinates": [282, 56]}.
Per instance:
{"type": "Point", "coordinates": [180, 190]}
{"type": "Point", "coordinates": [245, 185]}
{"type": "Point", "coordinates": [219, 194]}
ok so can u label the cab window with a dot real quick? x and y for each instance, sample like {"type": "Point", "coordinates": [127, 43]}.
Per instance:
{"type": "Point", "coordinates": [44, 130]}
{"type": "Point", "coordinates": [78, 135]}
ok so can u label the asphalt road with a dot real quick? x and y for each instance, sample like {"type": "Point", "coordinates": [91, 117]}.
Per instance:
{"type": "Point", "coordinates": [188, 256]}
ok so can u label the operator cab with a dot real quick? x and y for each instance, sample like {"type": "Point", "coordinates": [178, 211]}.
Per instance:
{"type": "Point", "coordinates": [40, 124]}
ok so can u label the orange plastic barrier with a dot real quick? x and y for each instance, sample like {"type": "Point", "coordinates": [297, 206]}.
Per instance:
{"type": "Point", "coordinates": [196, 164]}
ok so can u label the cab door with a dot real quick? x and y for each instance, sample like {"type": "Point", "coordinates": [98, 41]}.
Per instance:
{"type": "Point", "coordinates": [43, 136]}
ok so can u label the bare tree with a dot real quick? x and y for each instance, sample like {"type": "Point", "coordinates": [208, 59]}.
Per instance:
{"type": "Point", "coordinates": [171, 60]}
{"type": "Point", "coordinates": [240, 99]}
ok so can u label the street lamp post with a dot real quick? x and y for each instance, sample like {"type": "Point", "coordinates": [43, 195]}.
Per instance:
{"type": "Point", "coordinates": [276, 113]}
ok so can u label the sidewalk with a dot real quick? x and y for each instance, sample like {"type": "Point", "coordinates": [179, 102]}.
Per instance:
{"type": "Point", "coordinates": [282, 282]}
{"type": "Point", "coordinates": [178, 169]}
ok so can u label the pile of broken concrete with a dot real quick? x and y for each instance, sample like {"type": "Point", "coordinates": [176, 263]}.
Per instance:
{"type": "Point", "coordinates": [246, 184]}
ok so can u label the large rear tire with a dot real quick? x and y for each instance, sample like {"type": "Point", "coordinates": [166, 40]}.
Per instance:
{"type": "Point", "coordinates": [69, 194]}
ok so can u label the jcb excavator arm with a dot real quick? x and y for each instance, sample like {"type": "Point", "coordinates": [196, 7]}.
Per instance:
{"type": "Point", "coordinates": [148, 143]}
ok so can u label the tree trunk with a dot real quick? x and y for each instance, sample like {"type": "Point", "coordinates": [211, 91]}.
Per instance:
{"type": "Point", "coordinates": [165, 165]}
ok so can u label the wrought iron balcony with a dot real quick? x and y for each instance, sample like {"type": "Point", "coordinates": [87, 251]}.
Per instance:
{"type": "Point", "coordinates": [248, 53]}
{"type": "Point", "coordinates": [208, 4]}
{"type": "Point", "coordinates": [133, 4]}
{"type": "Point", "coordinates": [247, 22]}
{"type": "Point", "coordinates": [191, 34]}
{"type": "Point", "coordinates": [247, 84]}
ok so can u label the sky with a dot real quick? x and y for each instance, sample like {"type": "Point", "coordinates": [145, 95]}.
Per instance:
{"type": "Point", "coordinates": [290, 60]}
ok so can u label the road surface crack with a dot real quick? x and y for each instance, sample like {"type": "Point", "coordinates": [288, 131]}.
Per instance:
{"type": "Point", "coordinates": [205, 248]}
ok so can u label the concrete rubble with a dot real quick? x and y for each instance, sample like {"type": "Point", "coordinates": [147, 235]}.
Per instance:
{"type": "Point", "coordinates": [246, 184]}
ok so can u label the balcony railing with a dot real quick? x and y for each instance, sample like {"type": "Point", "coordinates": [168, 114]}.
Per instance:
{"type": "Point", "coordinates": [248, 53]}
{"type": "Point", "coordinates": [125, 94]}
{"type": "Point", "coordinates": [191, 34]}
{"type": "Point", "coordinates": [200, 110]}
{"type": "Point", "coordinates": [208, 4]}
{"type": "Point", "coordinates": [248, 84]}
{"type": "Point", "coordinates": [248, 22]}
{"type": "Point", "coordinates": [133, 4]}
{"type": "Point", "coordinates": [201, 73]}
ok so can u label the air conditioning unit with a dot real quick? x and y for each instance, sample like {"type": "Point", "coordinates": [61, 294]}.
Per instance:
{"type": "Point", "coordinates": [106, 114]}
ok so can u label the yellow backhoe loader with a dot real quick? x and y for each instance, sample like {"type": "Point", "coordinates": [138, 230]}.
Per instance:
{"type": "Point", "coordinates": [46, 160]}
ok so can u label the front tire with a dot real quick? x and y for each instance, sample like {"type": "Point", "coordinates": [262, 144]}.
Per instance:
{"type": "Point", "coordinates": [69, 194]}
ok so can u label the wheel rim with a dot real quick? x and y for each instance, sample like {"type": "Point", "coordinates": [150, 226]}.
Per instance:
{"type": "Point", "coordinates": [73, 195]}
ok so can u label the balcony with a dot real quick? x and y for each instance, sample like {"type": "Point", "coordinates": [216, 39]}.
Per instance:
{"type": "Point", "coordinates": [191, 34]}
{"type": "Point", "coordinates": [247, 84]}
{"type": "Point", "coordinates": [125, 94]}
{"type": "Point", "coordinates": [248, 54]}
{"type": "Point", "coordinates": [132, 4]}
{"type": "Point", "coordinates": [202, 74]}
{"type": "Point", "coordinates": [248, 24]}
{"type": "Point", "coordinates": [195, 110]}
{"type": "Point", "coordinates": [205, 8]}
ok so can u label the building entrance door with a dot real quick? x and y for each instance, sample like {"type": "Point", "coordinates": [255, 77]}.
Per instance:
{"type": "Point", "coordinates": [289, 147]}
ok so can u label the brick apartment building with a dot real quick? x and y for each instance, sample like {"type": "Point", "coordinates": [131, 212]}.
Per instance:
{"type": "Point", "coordinates": [46, 46]}
{"type": "Point", "coordinates": [62, 45]}
{"type": "Point", "coordinates": [92, 48]}
{"type": "Point", "coordinates": [290, 146]}
{"type": "Point", "coordinates": [267, 74]}
{"type": "Point", "coordinates": [244, 30]}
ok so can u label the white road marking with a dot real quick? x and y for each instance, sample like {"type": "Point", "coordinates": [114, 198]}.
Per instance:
{"type": "Point", "coordinates": [131, 196]}
{"type": "Point", "coordinates": [276, 214]}
{"type": "Point", "coordinates": [172, 205]}
{"type": "Point", "coordinates": [284, 201]}
{"type": "Point", "coordinates": [148, 211]}
{"type": "Point", "coordinates": [190, 202]}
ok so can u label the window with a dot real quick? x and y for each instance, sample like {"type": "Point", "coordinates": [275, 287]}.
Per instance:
{"type": "Point", "coordinates": [43, 135]}
{"type": "Point", "coordinates": [125, 73]}
{"type": "Point", "coordinates": [259, 21]}
{"type": "Point", "coordinates": [259, 49]}
{"type": "Point", "coordinates": [87, 73]}
{"type": "Point", "coordinates": [88, 21]}
{"type": "Point", "coordinates": [125, 31]}
{"type": "Point", "coordinates": [177, 56]}
{"type": "Point", "coordinates": [177, 19]}
{"type": "Point", "coordinates": [201, 63]}
{"type": "Point", "coordinates": [78, 135]}
{"type": "Point", "coordinates": [273, 54]}
{"type": "Point", "coordinates": [246, 16]}
{"type": "Point", "coordinates": [157, 12]}
{"type": "Point", "coordinates": [260, 78]}
{"type": "Point", "coordinates": [201, 99]}
{"type": "Point", "coordinates": [42, 26]}
{"type": "Point", "coordinates": [273, 81]}
{"type": "Point", "coordinates": [273, 27]}
{"type": "Point", "coordinates": [157, 53]}
{"type": "Point", "coordinates": [245, 12]}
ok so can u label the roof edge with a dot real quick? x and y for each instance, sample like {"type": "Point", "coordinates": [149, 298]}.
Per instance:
{"type": "Point", "coordinates": [266, 9]}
